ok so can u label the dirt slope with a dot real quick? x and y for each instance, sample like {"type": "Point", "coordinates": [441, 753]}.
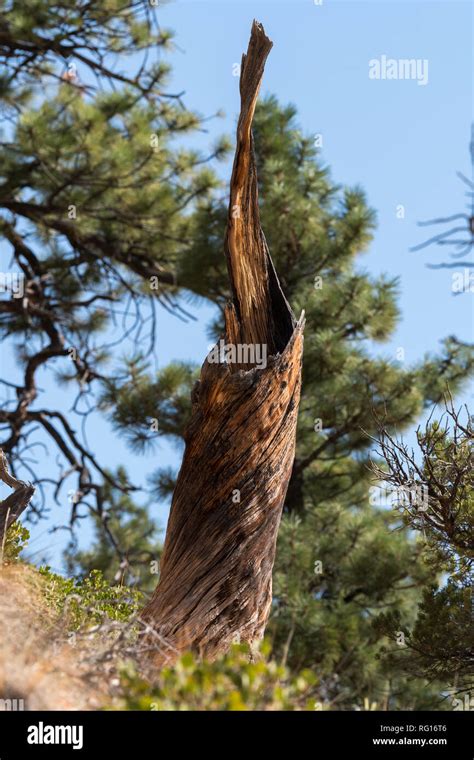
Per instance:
{"type": "Point", "coordinates": [36, 662]}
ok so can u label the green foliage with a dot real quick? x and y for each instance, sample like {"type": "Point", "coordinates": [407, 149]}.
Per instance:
{"type": "Point", "coordinates": [165, 399]}
{"type": "Point", "coordinates": [233, 682]}
{"type": "Point", "coordinates": [448, 475]}
{"type": "Point", "coordinates": [439, 642]}
{"type": "Point", "coordinates": [88, 601]}
{"type": "Point", "coordinates": [16, 540]}
{"type": "Point", "coordinates": [336, 569]}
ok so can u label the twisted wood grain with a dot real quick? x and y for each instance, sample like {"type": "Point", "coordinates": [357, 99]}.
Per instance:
{"type": "Point", "coordinates": [215, 586]}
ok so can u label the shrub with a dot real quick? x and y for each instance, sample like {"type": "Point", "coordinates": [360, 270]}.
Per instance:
{"type": "Point", "coordinates": [15, 541]}
{"type": "Point", "coordinates": [236, 681]}
{"type": "Point", "coordinates": [90, 600]}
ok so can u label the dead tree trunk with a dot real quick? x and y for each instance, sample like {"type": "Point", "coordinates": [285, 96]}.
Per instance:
{"type": "Point", "coordinates": [216, 571]}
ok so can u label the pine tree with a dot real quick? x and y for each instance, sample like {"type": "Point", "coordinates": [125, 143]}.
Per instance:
{"type": "Point", "coordinates": [435, 498]}
{"type": "Point", "coordinates": [93, 211]}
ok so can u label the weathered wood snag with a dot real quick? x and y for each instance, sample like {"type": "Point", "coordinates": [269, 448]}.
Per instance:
{"type": "Point", "coordinates": [215, 586]}
{"type": "Point", "coordinates": [12, 507]}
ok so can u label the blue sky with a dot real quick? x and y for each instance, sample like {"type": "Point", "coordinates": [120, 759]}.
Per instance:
{"type": "Point", "coordinates": [403, 142]}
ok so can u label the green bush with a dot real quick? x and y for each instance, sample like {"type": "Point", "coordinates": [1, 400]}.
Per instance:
{"type": "Point", "coordinates": [15, 541]}
{"type": "Point", "coordinates": [89, 600]}
{"type": "Point", "coordinates": [236, 681]}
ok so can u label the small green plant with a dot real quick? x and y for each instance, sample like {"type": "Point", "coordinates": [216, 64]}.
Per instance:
{"type": "Point", "coordinates": [235, 681]}
{"type": "Point", "coordinates": [90, 600]}
{"type": "Point", "coordinates": [16, 540]}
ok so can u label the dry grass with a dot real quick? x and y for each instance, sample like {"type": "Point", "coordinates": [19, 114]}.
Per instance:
{"type": "Point", "coordinates": [49, 664]}
{"type": "Point", "coordinates": [37, 664]}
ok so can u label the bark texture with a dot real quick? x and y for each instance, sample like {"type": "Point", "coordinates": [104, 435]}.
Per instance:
{"type": "Point", "coordinates": [215, 586]}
